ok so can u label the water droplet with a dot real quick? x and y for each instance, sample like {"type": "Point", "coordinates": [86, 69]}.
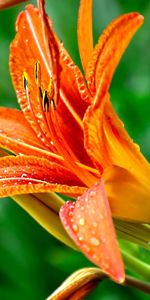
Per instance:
{"type": "Point", "coordinates": [2, 131]}
{"type": "Point", "coordinates": [82, 221]}
{"type": "Point", "coordinates": [80, 238]}
{"type": "Point", "coordinates": [70, 214]}
{"type": "Point", "coordinates": [43, 139]}
{"type": "Point", "coordinates": [94, 224]}
{"type": "Point", "coordinates": [39, 135]}
{"type": "Point", "coordinates": [92, 193]}
{"type": "Point", "coordinates": [86, 248]}
{"type": "Point", "coordinates": [75, 227]}
{"type": "Point", "coordinates": [95, 257]}
{"type": "Point", "coordinates": [24, 175]}
{"type": "Point", "coordinates": [52, 143]}
{"type": "Point", "coordinates": [29, 183]}
{"type": "Point", "coordinates": [94, 241]}
{"type": "Point", "coordinates": [39, 115]}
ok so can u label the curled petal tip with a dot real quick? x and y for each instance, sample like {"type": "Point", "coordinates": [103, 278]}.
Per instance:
{"type": "Point", "coordinates": [140, 18]}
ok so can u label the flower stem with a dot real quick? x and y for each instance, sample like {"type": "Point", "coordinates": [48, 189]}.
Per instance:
{"type": "Point", "coordinates": [137, 266]}
{"type": "Point", "coordinates": [138, 284]}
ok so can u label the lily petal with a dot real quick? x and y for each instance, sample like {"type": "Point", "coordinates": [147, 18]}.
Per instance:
{"type": "Point", "coordinates": [17, 136]}
{"type": "Point", "coordinates": [29, 174]}
{"type": "Point", "coordinates": [14, 127]}
{"type": "Point", "coordinates": [88, 221]}
{"type": "Point", "coordinates": [33, 70]}
{"type": "Point", "coordinates": [109, 50]}
{"type": "Point", "coordinates": [85, 34]}
{"type": "Point", "coordinates": [107, 141]}
{"type": "Point", "coordinates": [128, 194]}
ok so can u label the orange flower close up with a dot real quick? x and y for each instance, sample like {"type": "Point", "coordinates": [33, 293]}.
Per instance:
{"type": "Point", "coordinates": [67, 138]}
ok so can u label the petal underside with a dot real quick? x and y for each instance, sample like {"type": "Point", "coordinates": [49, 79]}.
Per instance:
{"type": "Point", "coordinates": [128, 194]}
{"type": "Point", "coordinates": [107, 141]}
{"type": "Point", "coordinates": [85, 33]}
{"type": "Point", "coordinates": [29, 174]}
{"type": "Point", "coordinates": [109, 50]}
{"type": "Point", "coordinates": [89, 223]}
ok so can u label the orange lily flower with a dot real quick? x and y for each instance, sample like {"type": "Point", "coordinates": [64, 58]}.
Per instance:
{"type": "Point", "coordinates": [68, 138]}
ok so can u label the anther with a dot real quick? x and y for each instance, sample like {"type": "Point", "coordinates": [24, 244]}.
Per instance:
{"type": "Point", "coordinates": [51, 89]}
{"type": "Point", "coordinates": [37, 73]}
{"type": "Point", "coordinates": [46, 103]}
{"type": "Point", "coordinates": [41, 93]}
{"type": "Point", "coordinates": [25, 81]}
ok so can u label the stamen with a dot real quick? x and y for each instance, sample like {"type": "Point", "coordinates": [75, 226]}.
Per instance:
{"type": "Point", "coordinates": [37, 73]}
{"type": "Point", "coordinates": [51, 92]}
{"type": "Point", "coordinates": [26, 86]}
{"type": "Point", "coordinates": [51, 89]}
{"type": "Point", "coordinates": [41, 93]}
{"type": "Point", "coordinates": [46, 102]}
{"type": "Point", "coordinates": [25, 81]}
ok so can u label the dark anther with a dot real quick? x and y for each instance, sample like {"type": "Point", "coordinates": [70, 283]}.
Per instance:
{"type": "Point", "coordinates": [41, 93]}
{"type": "Point", "coordinates": [46, 103]}
{"type": "Point", "coordinates": [25, 81]}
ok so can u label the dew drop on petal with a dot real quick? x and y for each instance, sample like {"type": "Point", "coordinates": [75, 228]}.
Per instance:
{"type": "Point", "coordinates": [75, 227]}
{"type": "Point", "coordinates": [82, 221]}
{"type": "Point", "coordinates": [95, 224]}
{"type": "Point", "coordinates": [94, 241]}
{"type": "Point", "coordinates": [24, 175]}
{"type": "Point", "coordinates": [80, 238]}
{"type": "Point", "coordinates": [82, 208]}
{"type": "Point", "coordinates": [92, 193]}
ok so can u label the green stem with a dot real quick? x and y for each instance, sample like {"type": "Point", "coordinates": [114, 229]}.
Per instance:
{"type": "Point", "coordinates": [138, 284]}
{"type": "Point", "coordinates": [137, 266]}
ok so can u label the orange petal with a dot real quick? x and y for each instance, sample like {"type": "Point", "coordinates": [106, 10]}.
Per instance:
{"type": "Point", "coordinates": [88, 221]}
{"type": "Point", "coordinates": [31, 70]}
{"type": "Point", "coordinates": [17, 136]}
{"type": "Point", "coordinates": [107, 141]}
{"type": "Point", "coordinates": [85, 35]}
{"type": "Point", "coordinates": [8, 3]}
{"type": "Point", "coordinates": [29, 174]}
{"type": "Point", "coordinates": [14, 124]}
{"type": "Point", "coordinates": [128, 194]}
{"type": "Point", "coordinates": [70, 108]}
{"type": "Point", "coordinates": [110, 49]}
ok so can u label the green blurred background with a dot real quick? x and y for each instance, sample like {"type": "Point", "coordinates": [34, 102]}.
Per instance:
{"type": "Point", "coordinates": [32, 263]}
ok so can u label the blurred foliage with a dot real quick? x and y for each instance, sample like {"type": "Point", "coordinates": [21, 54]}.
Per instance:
{"type": "Point", "coordinates": [32, 263]}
